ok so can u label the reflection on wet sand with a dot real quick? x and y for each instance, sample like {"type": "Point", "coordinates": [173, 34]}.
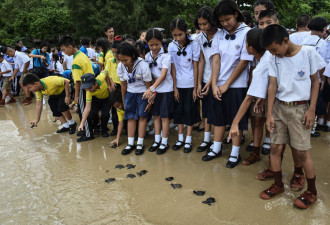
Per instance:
{"type": "Point", "coordinates": [47, 178]}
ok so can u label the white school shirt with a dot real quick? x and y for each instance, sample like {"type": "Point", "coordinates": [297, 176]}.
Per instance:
{"type": "Point", "coordinates": [91, 53]}
{"type": "Point", "coordinates": [201, 39]}
{"type": "Point", "coordinates": [31, 64]}
{"type": "Point", "coordinates": [298, 37]}
{"type": "Point", "coordinates": [20, 59]}
{"type": "Point", "coordinates": [141, 73]}
{"type": "Point", "coordinates": [163, 60]}
{"type": "Point", "coordinates": [59, 67]}
{"type": "Point", "coordinates": [259, 84]}
{"type": "Point", "coordinates": [293, 74]}
{"type": "Point", "coordinates": [184, 64]}
{"type": "Point", "coordinates": [231, 52]}
{"type": "Point", "coordinates": [327, 71]}
{"type": "Point", "coordinates": [318, 43]}
{"type": "Point", "coordinates": [68, 60]}
{"type": "Point", "coordinates": [327, 57]}
{"type": "Point", "coordinates": [4, 66]}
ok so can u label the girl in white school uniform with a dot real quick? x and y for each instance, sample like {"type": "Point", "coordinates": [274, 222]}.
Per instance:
{"type": "Point", "coordinates": [205, 22]}
{"type": "Point", "coordinates": [161, 91]}
{"type": "Point", "coordinates": [229, 85]}
{"type": "Point", "coordinates": [184, 58]}
{"type": "Point", "coordinates": [135, 77]}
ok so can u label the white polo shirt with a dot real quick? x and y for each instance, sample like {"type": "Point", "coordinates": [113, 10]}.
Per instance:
{"type": "Point", "coordinates": [231, 53]}
{"type": "Point", "coordinates": [201, 39]}
{"type": "Point", "coordinates": [318, 43]}
{"type": "Point", "coordinates": [163, 61]}
{"type": "Point", "coordinates": [184, 64]}
{"type": "Point", "coordinates": [59, 67]}
{"type": "Point", "coordinates": [293, 74]}
{"type": "Point", "coordinates": [298, 37]}
{"type": "Point", "coordinates": [4, 66]}
{"type": "Point", "coordinates": [135, 80]}
{"type": "Point", "coordinates": [68, 60]}
{"type": "Point", "coordinates": [20, 59]}
{"type": "Point", "coordinates": [259, 84]}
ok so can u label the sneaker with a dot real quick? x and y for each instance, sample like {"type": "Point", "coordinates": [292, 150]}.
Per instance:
{"type": "Point", "coordinates": [62, 129]}
{"type": "Point", "coordinates": [12, 100]}
{"type": "Point", "coordinates": [265, 175]}
{"type": "Point", "coordinates": [84, 138]}
{"type": "Point", "coordinates": [305, 200]}
{"type": "Point", "coordinates": [251, 159]}
{"type": "Point", "coordinates": [73, 128]}
{"type": "Point", "coordinates": [2, 102]}
{"type": "Point", "coordinates": [297, 182]}
{"type": "Point", "coordinates": [271, 192]}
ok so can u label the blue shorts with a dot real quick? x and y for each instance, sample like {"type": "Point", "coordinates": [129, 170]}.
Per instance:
{"type": "Point", "coordinates": [135, 106]}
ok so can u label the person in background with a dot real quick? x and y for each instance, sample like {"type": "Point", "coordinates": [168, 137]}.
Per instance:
{"type": "Point", "coordinates": [302, 29]}
{"type": "Point", "coordinates": [110, 33]}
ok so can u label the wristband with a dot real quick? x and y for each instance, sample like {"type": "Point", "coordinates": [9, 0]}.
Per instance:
{"type": "Point", "coordinates": [152, 89]}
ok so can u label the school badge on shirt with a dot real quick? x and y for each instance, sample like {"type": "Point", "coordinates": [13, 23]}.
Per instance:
{"type": "Point", "coordinates": [301, 73]}
{"type": "Point", "coordinates": [237, 47]}
{"type": "Point", "coordinates": [189, 60]}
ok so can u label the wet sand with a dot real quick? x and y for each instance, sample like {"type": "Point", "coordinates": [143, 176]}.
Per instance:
{"type": "Point", "coordinates": [49, 178]}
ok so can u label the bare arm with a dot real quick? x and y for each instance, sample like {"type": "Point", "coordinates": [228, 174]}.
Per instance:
{"type": "Point", "coordinates": [38, 112]}
{"type": "Point", "coordinates": [195, 80]}
{"type": "Point", "coordinates": [175, 89]}
{"type": "Point", "coordinates": [309, 117]}
{"type": "Point", "coordinates": [201, 64]}
{"type": "Point", "coordinates": [272, 88]}
{"type": "Point", "coordinates": [14, 74]}
{"type": "Point", "coordinates": [67, 92]}
{"type": "Point", "coordinates": [85, 115]}
{"type": "Point", "coordinates": [215, 74]}
{"type": "Point", "coordinates": [123, 90]}
{"type": "Point", "coordinates": [77, 91]}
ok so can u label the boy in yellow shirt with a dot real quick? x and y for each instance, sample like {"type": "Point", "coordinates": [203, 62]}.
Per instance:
{"type": "Point", "coordinates": [58, 90]}
{"type": "Point", "coordinates": [97, 98]}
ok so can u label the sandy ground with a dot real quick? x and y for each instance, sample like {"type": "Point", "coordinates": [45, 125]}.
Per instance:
{"type": "Point", "coordinates": [49, 178]}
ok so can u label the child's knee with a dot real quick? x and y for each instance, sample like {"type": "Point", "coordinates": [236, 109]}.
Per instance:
{"type": "Point", "coordinates": [302, 155]}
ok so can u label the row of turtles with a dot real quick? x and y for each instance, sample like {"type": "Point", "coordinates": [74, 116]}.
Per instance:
{"type": "Point", "coordinates": [208, 201]}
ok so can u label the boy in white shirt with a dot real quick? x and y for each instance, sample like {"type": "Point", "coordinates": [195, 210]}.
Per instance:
{"type": "Point", "coordinates": [22, 62]}
{"type": "Point", "coordinates": [302, 29]}
{"type": "Point", "coordinates": [5, 73]}
{"type": "Point", "coordinates": [293, 70]}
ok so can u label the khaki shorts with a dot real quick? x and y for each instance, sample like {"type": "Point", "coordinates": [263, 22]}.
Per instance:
{"type": "Point", "coordinates": [261, 114]}
{"type": "Point", "coordinates": [6, 83]}
{"type": "Point", "coordinates": [22, 78]}
{"type": "Point", "coordinates": [289, 128]}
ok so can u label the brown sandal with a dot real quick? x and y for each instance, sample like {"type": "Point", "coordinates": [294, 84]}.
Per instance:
{"type": "Point", "coordinates": [251, 159]}
{"type": "Point", "coordinates": [297, 182]}
{"type": "Point", "coordinates": [271, 192]}
{"type": "Point", "coordinates": [265, 175]}
{"type": "Point", "coordinates": [305, 200]}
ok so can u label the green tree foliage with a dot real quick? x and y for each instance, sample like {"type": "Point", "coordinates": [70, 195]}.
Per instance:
{"type": "Point", "coordinates": [49, 19]}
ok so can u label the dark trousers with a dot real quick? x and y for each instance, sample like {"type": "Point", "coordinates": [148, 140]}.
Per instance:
{"type": "Point", "coordinates": [81, 106]}
{"type": "Point", "coordinates": [102, 105]}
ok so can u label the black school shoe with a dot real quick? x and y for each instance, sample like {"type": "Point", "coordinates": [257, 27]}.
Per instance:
{"type": "Point", "coordinates": [319, 127]}
{"type": "Point", "coordinates": [80, 133]}
{"type": "Point", "coordinates": [204, 148]}
{"type": "Point", "coordinates": [209, 158]}
{"type": "Point", "coordinates": [161, 151]}
{"type": "Point", "coordinates": [73, 128]}
{"type": "Point", "coordinates": [326, 129]}
{"type": "Point", "coordinates": [128, 149]}
{"type": "Point", "coordinates": [154, 148]}
{"type": "Point", "coordinates": [62, 130]}
{"type": "Point", "coordinates": [187, 150]}
{"type": "Point", "coordinates": [233, 164]}
{"type": "Point", "coordinates": [139, 151]}
{"type": "Point", "coordinates": [315, 134]}
{"type": "Point", "coordinates": [177, 145]}
{"type": "Point", "coordinates": [265, 151]}
{"type": "Point", "coordinates": [104, 134]}
{"type": "Point", "coordinates": [84, 138]}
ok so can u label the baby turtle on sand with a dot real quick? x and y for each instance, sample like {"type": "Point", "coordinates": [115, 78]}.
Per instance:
{"type": "Point", "coordinates": [142, 172]}
{"type": "Point", "coordinates": [107, 171]}
{"type": "Point", "coordinates": [209, 201]}
{"type": "Point", "coordinates": [119, 166]}
{"type": "Point", "coordinates": [130, 166]}
{"type": "Point", "coordinates": [130, 175]}
{"type": "Point", "coordinates": [169, 178]}
{"type": "Point", "coordinates": [110, 180]}
{"type": "Point", "coordinates": [175, 186]}
{"type": "Point", "coordinates": [199, 193]}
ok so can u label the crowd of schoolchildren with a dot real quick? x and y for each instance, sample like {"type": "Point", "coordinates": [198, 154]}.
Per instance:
{"type": "Point", "coordinates": [210, 81]}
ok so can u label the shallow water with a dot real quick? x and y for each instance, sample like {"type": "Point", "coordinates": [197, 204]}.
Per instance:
{"type": "Point", "coordinates": [49, 178]}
